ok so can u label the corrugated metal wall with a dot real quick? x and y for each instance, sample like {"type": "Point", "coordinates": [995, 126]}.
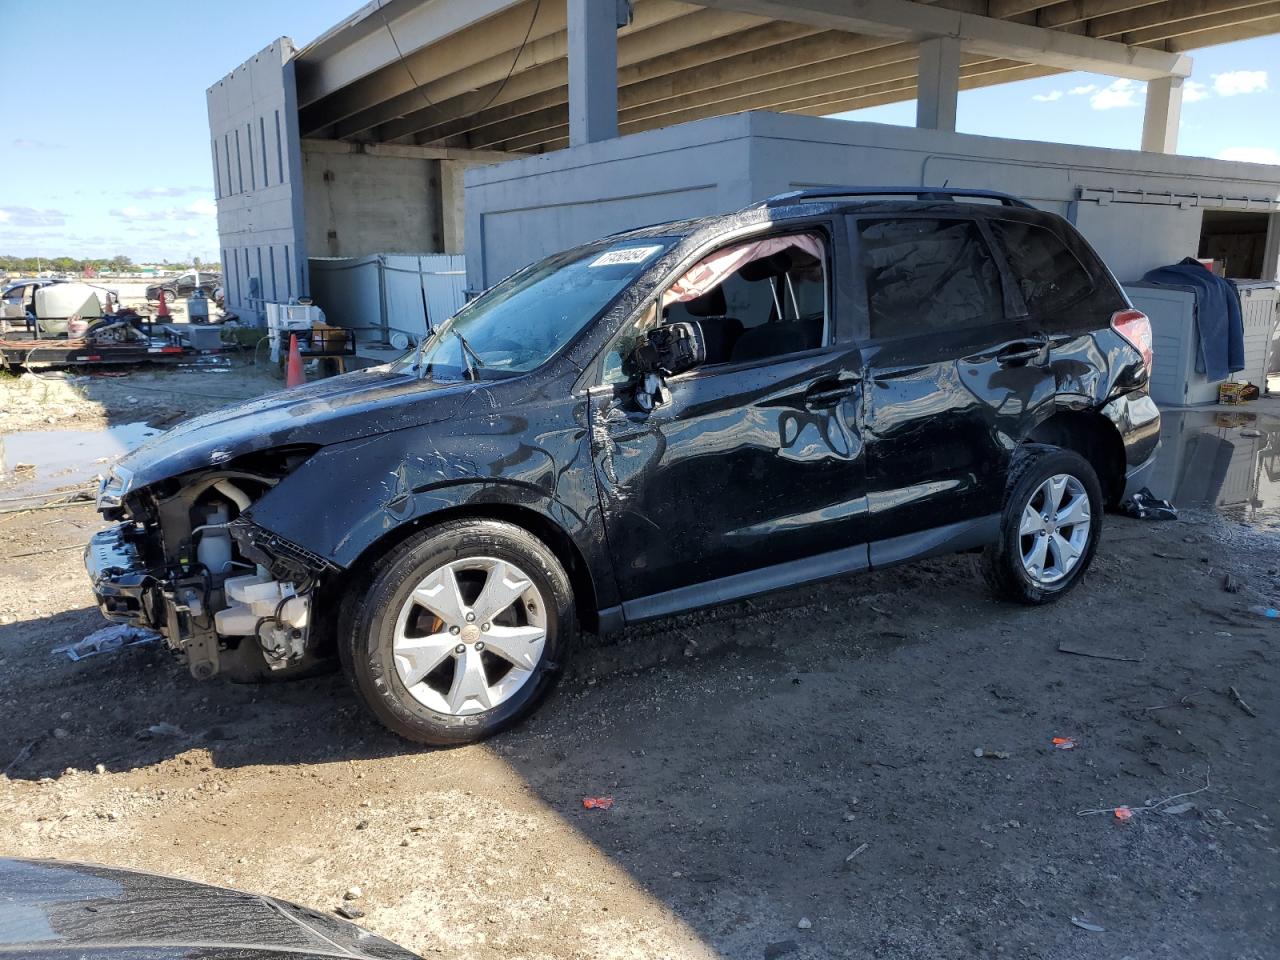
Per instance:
{"type": "Point", "coordinates": [386, 292]}
{"type": "Point", "coordinates": [257, 166]}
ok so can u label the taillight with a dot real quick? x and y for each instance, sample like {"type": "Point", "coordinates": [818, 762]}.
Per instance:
{"type": "Point", "coordinates": [1135, 327]}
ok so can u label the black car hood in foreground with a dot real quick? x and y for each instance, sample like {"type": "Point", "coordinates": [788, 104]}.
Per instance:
{"type": "Point", "coordinates": [48, 908]}
{"type": "Point", "coordinates": [359, 404]}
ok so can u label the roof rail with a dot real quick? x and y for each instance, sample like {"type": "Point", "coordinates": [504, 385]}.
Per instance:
{"type": "Point", "coordinates": [921, 193]}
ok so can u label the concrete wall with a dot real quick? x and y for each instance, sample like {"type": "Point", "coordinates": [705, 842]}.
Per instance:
{"type": "Point", "coordinates": [1140, 210]}
{"type": "Point", "coordinates": [360, 204]}
{"type": "Point", "coordinates": [257, 176]}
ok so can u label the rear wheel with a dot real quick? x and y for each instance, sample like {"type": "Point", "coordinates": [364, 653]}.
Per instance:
{"type": "Point", "coordinates": [461, 633]}
{"type": "Point", "coordinates": [1049, 529]}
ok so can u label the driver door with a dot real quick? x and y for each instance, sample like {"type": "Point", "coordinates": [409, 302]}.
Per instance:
{"type": "Point", "coordinates": [751, 476]}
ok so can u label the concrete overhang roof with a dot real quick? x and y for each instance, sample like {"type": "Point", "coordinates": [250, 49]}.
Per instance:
{"type": "Point", "coordinates": [493, 74]}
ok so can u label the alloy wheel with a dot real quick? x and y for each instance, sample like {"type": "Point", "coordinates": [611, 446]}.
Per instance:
{"type": "Point", "coordinates": [1054, 530]}
{"type": "Point", "coordinates": [470, 635]}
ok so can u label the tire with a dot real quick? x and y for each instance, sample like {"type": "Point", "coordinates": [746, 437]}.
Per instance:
{"type": "Point", "coordinates": [1004, 564]}
{"type": "Point", "coordinates": [388, 615]}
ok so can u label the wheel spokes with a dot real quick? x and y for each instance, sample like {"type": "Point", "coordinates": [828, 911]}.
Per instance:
{"type": "Point", "coordinates": [470, 684]}
{"type": "Point", "coordinates": [1032, 522]}
{"type": "Point", "coordinates": [1036, 557]}
{"type": "Point", "coordinates": [522, 646]}
{"type": "Point", "coordinates": [501, 589]}
{"type": "Point", "coordinates": [440, 594]}
{"type": "Point", "coordinates": [418, 656]}
{"type": "Point", "coordinates": [1055, 487]}
{"type": "Point", "coordinates": [1075, 511]}
{"type": "Point", "coordinates": [1064, 551]}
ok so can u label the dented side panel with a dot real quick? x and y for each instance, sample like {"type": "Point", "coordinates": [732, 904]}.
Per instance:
{"type": "Point", "coordinates": [504, 449]}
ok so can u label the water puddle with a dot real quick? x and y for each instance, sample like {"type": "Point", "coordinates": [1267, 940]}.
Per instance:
{"type": "Point", "coordinates": [1225, 462]}
{"type": "Point", "coordinates": [40, 461]}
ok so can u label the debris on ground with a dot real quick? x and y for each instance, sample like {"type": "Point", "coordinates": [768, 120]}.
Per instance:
{"type": "Point", "coordinates": [1065, 743]}
{"type": "Point", "coordinates": [1080, 652]}
{"type": "Point", "coordinates": [348, 912]}
{"type": "Point", "coordinates": [1086, 925]}
{"type": "Point", "coordinates": [165, 729]}
{"type": "Point", "coordinates": [804, 923]}
{"type": "Point", "coordinates": [1230, 584]}
{"type": "Point", "coordinates": [990, 754]}
{"type": "Point", "coordinates": [353, 893]}
{"type": "Point", "coordinates": [861, 848]}
{"type": "Point", "coordinates": [1178, 809]}
{"type": "Point", "coordinates": [1145, 505]}
{"type": "Point", "coordinates": [107, 640]}
{"type": "Point", "coordinates": [1239, 702]}
{"type": "Point", "coordinates": [1124, 812]}
{"type": "Point", "coordinates": [1271, 613]}
{"type": "Point", "coordinates": [597, 803]}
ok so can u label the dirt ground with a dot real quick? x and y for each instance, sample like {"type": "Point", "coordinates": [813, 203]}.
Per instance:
{"type": "Point", "coordinates": [793, 776]}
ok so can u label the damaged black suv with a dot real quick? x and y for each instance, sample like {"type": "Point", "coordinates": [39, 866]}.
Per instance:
{"type": "Point", "coordinates": [829, 381]}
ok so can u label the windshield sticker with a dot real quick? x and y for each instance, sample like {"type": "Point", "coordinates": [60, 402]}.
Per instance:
{"type": "Point", "coordinates": [626, 255]}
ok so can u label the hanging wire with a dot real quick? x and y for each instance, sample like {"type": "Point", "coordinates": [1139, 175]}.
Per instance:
{"type": "Point", "coordinates": [537, 8]}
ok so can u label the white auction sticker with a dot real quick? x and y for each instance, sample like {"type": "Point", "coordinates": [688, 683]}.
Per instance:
{"type": "Point", "coordinates": [625, 255]}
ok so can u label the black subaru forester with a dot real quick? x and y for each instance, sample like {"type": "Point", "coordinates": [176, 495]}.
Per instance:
{"type": "Point", "coordinates": [829, 381]}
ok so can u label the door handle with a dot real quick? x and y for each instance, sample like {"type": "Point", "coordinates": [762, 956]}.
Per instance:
{"type": "Point", "coordinates": [1021, 351]}
{"type": "Point", "coordinates": [828, 393]}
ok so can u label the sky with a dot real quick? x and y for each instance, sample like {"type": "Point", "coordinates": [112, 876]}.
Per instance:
{"type": "Point", "coordinates": [105, 145]}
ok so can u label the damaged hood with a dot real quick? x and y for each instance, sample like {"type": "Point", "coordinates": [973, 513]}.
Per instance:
{"type": "Point", "coordinates": [359, 404]}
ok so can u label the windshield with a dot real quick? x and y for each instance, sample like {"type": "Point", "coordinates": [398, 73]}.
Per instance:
{"type": "Point", "coordinates": [523, 321]}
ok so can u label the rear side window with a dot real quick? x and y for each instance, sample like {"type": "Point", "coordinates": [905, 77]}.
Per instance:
{"type": "Point", "coordinates": [927, 276]}
{"type": "Point", "coordinates": [1050, 277]}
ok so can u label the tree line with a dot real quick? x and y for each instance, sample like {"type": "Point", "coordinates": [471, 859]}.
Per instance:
{"type": "Point", "coordinates": [116, 264]}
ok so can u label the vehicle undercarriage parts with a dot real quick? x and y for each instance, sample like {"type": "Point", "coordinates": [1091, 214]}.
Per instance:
{"type": "Point", "coordinates": [272, 613]}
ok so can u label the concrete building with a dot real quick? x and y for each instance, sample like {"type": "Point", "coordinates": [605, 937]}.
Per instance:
{"type": "Point", "coordinates": [509, 128]}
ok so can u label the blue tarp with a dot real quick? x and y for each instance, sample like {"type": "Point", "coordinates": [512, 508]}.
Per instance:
{"type": "Point", "coordinates": [1218, 316]}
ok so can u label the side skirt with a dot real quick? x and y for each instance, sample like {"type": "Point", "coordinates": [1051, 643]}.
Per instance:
{"type": "Point", "coordinates": [953, 538]}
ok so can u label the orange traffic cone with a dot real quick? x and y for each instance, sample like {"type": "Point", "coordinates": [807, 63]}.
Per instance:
{"type": "Point", "coordinates": [294, 376]}
{"type": "Point", "coordinates": [163, 310]}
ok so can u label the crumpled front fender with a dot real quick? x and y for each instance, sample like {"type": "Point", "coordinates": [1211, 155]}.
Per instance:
{"type": "Point", "coordinates": [348, 496]}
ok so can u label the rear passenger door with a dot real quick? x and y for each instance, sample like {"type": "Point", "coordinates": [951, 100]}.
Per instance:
{"type": "Point", "coordinates": [954, 370]}
{"type": "Point", "coordinates": [1062, 296]}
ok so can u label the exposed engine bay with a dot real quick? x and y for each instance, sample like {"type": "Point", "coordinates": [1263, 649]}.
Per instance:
{"type": "Point", "coordinates": [187, 560]}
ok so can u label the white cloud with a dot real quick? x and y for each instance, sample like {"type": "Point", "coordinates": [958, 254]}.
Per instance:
{"type": "Point", "coordinates": [24, 144]}
{"type": "Point", "coordinates": [1236, 82]}
{"type": "Point", "coordinates": [1118, 93]}
{"type": "Point", "coordinates": [1193, 92]}
{"type": "Point", "coordinates": [1049, 97]}
{"type": "Point", "coordinates": [1251, 154]}
{"type": "Point", "coordinates": [191, 232]}
{"type": "Point", "coordinates": [150, 192]}
{"type": "Point", "coordinates": [201, 208]}
{"type": "Point", "coordinates": [31, 217]}
{"type": "Point", "coordinates": [1081, 91]}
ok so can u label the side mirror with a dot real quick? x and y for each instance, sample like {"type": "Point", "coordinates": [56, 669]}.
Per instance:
{"type": "Point", "coordinates": [671, 349]}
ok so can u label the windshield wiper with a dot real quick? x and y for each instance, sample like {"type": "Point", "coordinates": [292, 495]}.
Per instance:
{"type": "Point", "coordinates": [469, 355]}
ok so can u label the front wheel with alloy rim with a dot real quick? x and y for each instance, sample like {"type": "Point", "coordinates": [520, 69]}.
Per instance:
{"type": "Point", "coordinates": [1049, 528]}
{"type": "Point", "coordinates": [461, 632]}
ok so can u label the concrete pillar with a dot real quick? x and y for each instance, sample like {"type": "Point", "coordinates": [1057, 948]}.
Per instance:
{"type": "Point", "coordinates": [938, 86]}
{"type": "Point", "coordinates": [1160, 122]}
{"type": "Point", "coordinates": [593, 71]}
{"type": "Point", "coordinates": [452, 207]}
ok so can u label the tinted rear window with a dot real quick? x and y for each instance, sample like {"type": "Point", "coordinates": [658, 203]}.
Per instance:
{"type": "Point", "coordinates": [1050, 277]}
{"type": "Point", "coordinates": [927, 276]}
